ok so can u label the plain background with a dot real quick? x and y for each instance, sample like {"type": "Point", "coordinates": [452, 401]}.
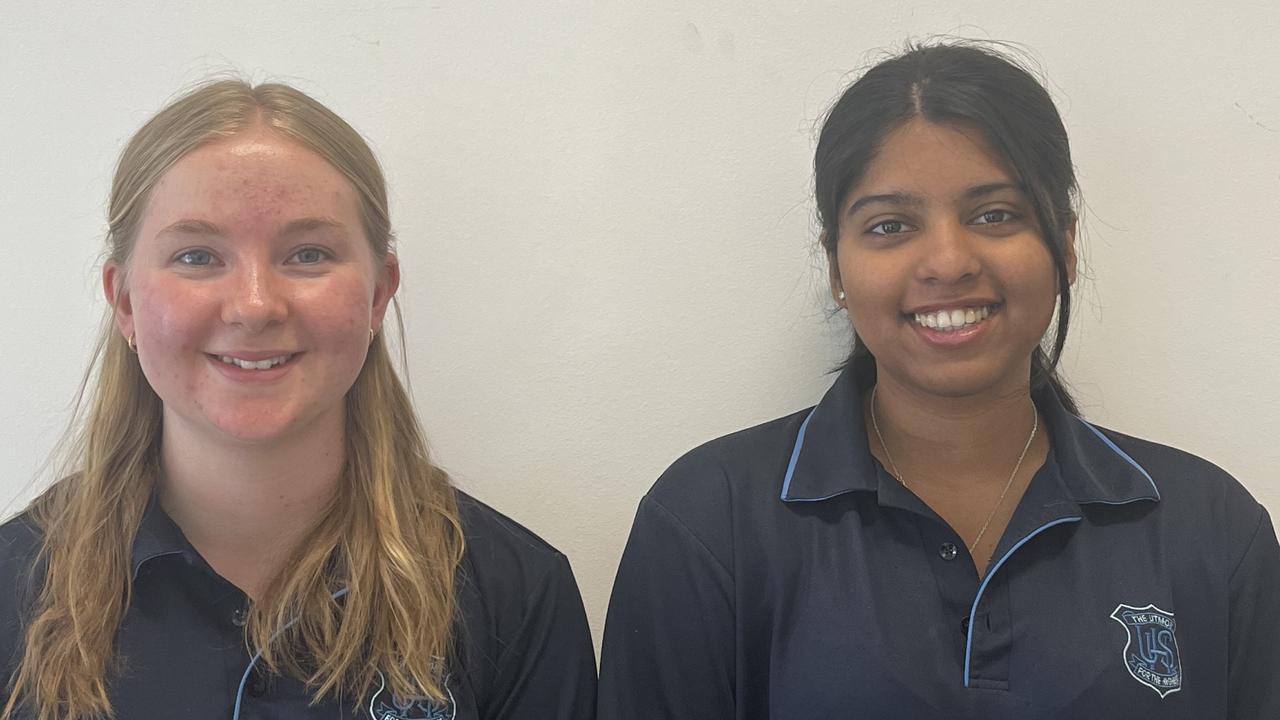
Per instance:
{"type": "Point", "coordinates": [605, 221]}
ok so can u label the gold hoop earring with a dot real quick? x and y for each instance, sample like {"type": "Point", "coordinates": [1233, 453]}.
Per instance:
{"type": "Point", "coordinates": [371, 335]}
{"type": "Point", "coordinates": [132, 342]}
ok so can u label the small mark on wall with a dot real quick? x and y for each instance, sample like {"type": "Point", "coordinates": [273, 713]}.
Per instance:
{"type": "Point", "coordinates": [692, 39]}
{"type": "Point", "coordinates": [1255, 120]}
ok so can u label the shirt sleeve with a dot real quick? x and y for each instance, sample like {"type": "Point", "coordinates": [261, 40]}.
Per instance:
{"type": "Point", "coordinates": [1253, 664]}
{"type": "Point", "coordinates": [548, 670]}
{"type": "Point", "coordinates": [669, 642]}
{"type": "Point", "coordinates": [20, 584]}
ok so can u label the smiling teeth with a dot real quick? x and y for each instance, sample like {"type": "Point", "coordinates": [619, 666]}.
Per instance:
{"type": "Point", "coordinates": [255, 364]}
{"type": "Point", "coordinates": [952, 320]}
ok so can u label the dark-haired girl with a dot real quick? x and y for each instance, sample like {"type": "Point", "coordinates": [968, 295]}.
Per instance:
{"type": "Point", "coordinates": [943, 536]}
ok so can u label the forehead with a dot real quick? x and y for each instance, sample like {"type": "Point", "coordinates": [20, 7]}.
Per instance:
{"type": "Point", "coordinates": [255, 177]}
{"type": "Point", "coordinates": [932, 160]}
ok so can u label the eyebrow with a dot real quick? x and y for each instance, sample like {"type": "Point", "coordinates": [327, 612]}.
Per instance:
{"type": "Point", "coordinates": [294, 227]}
{"type": "Point", "coordinates": [306, 225]}
{"type": "Point", "coordinates": [910, 200]}
{"type": "Point", "coordinates": [978, 191]}
{"type": "Point", "coordinates": [191, 227]}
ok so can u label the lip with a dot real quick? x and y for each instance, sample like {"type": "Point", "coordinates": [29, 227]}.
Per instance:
{"type": "Point", "coordinates": [252, 355]}
{"type": "Point", "coordinates": [959, 304]}
{"type": "Point", "coordinates": [241, 375]}
{"type": "Point", "coordinates": [956, 338]}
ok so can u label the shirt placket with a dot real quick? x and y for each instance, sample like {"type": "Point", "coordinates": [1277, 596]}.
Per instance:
{"type": "Point", "coordinates": [990, 625]}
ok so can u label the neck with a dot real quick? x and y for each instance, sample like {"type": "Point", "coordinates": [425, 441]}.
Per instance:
{"type": "Point", "coordinates": [953, 440]}
{"type": "Point", "coordinates": [246, 506]}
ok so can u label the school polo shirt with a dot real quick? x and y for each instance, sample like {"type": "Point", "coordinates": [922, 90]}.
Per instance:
{"type": "Point", "coordinates": [524, 648]}
{"type": "Point", "coordinates": [781, 573]}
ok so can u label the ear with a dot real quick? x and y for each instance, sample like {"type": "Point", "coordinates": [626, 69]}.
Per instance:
{"type": "Point", "coordinates": [1069, 250]}
{"type": "Point", "coordinates": [113, 287]}
{"type": "Point", "coordinates": [385, 289]}
{"type": "Point", "coordinates": [833, 270]}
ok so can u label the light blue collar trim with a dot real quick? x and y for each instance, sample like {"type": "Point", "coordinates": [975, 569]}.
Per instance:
{"type": "Point", "coordinates": [1122, 454]}
{"type": "Point", "coordinates": [795, 455]}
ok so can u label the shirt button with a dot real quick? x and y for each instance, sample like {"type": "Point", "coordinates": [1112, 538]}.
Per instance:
{"type": "Point", "coordinates": [240, 616]}
{"type": "Point", "coordinates": [948, 551]}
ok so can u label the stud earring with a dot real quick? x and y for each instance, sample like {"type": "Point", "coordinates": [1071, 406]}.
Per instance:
{"type": "Point", "coordinates": [841, 296]}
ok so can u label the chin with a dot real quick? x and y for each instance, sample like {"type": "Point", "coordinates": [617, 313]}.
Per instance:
{"type": "Point", "coordinates": [254, 433]}
{"type": "Point", "coordinates": [959, 382]}
{"type": "Point", "coordinates": [256, 427]}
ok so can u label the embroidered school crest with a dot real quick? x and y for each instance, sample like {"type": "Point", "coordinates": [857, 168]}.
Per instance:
{"type": "Point", "coordinates": [1151, 650]}
{"type": "Point", "coordinates": [385, 705]}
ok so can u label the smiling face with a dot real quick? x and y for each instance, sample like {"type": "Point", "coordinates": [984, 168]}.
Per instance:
{"type": "Point", "coordinates": [251, 290]}
{"type": "Point", "coordinates": [946, 277]}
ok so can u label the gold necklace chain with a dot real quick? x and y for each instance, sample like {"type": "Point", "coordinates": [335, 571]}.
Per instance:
{"type": "Point", "coordinates": [1035, 425]}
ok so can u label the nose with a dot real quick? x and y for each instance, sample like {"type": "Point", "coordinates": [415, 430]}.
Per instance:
{"type": "Point", "coordinates": [950, 255]}
{"type": "Point", "coordinates": [255, 298]}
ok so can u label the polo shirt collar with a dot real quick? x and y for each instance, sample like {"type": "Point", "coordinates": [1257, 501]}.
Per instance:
{"type": "Point", "coordinates": [158, 536]}
{"type": "Point", "coordinates": [1093, 468]}
{"type": "Point", "coordinates": [831, 456]}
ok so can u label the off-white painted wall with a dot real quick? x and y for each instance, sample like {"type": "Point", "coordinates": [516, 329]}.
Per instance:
{"type": "Point", "coordinates": [605, 219]}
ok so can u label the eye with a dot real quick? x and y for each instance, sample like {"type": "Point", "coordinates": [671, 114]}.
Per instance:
{"type": "Point", "coordinates": [992, 217]}
{"type": "Point", "coordinates": [195, 258]}
{"type": "Point", "coordinates": [889, 227]}
{"type": "Point", "coordinates": [310, 256]}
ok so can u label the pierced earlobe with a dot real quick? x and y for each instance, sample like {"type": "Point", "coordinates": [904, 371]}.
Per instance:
{"type": "Point", "coordinates": [841, 296]}
{"type": "Point", "coordinates": [371, 335]}
{"type": "Point", "coordinates": [132, 342]}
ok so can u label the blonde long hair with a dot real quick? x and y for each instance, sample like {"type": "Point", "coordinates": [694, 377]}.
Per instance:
{"type": "Point", "coordinates": [391, 535]}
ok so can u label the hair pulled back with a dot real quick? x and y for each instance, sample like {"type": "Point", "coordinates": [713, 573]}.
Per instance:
{"type": "Point", "coordinates": [975, 87]}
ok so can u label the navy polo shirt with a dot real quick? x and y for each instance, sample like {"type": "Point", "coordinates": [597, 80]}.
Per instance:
{"type": "Point", "coordinates": [523, 646]}
{"type": "Point", "coordinates": [780, 572]}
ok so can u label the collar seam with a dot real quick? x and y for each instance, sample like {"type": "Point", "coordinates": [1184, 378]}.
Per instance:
{"type": "Point", "coordinates": [1134, 464]}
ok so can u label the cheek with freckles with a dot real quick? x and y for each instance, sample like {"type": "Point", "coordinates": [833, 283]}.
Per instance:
{"type": "Point", "coordinates": [336, 316]}
{"type": "Point", "coordinates": [172, 324]}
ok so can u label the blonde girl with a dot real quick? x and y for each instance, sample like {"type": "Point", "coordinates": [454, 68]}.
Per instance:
{"type": "Point", "coordinates": [251, 525]}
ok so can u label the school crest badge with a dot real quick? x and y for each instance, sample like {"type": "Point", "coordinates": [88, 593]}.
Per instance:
{"type": "Point", "coordinates": [385, 705]}
{"type": "Point", "coordinates": [1151, 650]}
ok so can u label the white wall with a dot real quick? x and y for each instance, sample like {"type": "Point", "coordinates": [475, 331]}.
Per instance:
{"type": "Point", "coordinates": [605, 218]}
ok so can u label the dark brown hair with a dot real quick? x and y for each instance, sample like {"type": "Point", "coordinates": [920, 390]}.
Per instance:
{"type": "Point", "coordinates": [957, 84]}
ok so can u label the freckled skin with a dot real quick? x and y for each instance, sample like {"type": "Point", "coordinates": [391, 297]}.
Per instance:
{"type": "Point", "coordinates": [946, 253]}
{"type": "Point", "coordinates": [256, 294]}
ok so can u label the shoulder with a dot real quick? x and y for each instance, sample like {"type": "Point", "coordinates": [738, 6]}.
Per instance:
{"type": "Point", "coordinates": [20, 540]}
{"type": "Point", "coordinates": [747, 461]}
{"type": "Point", "coordinates": [497, 541]}
{"type": "Point", "coordinates": [505, 565]}
{"type": "Point", "coordinates": [1181, 476]}
{"type": "Point", "coordinates": [733, 479]}
{"type": "Point", "coordinates": [1195, 493]}
{"type": "Point", "coordinates": [522, 615]}
{"type": "Point", "coordinates": [20, 543]}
